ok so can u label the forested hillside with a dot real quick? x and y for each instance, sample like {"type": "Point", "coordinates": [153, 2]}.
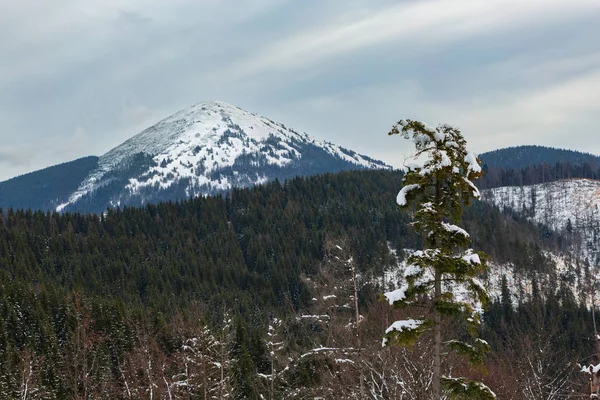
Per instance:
{"type": "Point", "coordinates": [47, 188]}
{"type": "Point", "coordinates": [245, 294]}
{"type": "Point", "coordinates": [524, 156]}
{"type": "Point", "coordinates": [535, 174]}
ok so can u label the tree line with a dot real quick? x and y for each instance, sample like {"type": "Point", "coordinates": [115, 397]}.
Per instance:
{"type": "Point", "coordinates": [534, 174]}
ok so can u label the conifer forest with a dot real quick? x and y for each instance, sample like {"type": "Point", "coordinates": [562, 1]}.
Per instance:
{"type": "Point", "coordinates": [269, 292]}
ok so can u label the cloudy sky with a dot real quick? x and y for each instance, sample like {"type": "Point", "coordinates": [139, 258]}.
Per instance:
{"type": "Point", "coordinates": [78, 77]}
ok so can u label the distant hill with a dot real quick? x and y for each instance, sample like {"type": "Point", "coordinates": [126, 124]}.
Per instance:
{"type": "Point", "coordinates": [525, 156]}
{"type": "Point", "coordinates": [47, 188]}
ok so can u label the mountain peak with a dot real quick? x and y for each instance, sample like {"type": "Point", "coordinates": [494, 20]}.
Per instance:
{"type": "Point", "coordinates": [199, 125]}
{"type": "Point", "coordinates": [208, 148]}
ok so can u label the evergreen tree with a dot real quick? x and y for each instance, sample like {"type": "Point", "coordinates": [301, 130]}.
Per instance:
{"type": "Point", "coordinates": [444, 273]}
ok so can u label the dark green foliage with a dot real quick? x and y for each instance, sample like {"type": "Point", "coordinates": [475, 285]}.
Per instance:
{"type": "Point", "coordinates": [254, 241]}
{"type": "Point", "coordinates": [535, 174]}
{"type": "Point", "coordinates": [247, 251]}
{"type": "Point", "coordinates": [462, 388]}
{"type": "Point", "coordinates": [525, 156]}
{"type": "Point", "coordinates": [47, 188]}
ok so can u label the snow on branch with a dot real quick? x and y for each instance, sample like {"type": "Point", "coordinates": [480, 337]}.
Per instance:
{"type": "Point", "coordinates": [471, 159]}
{"type": "Point", "coordinates": [427, 208]}
{"type": "Point", "coordinates": [401, 198]}
{"type": "Point", "coordinates": [329, 350]}
{"type": "Point", "coordinates": [439, 136]}
{"type": "Point", "coordinates": [476, 193]}
{"type": "Point", "coordinates": [463, 387]}
{"type": "Point", "coordinates": [428, 254]}
{"type": "Point", "coordinates": [471, 257]}
{"type": "Point", "coordinates": [455, 229]}
{"type": "Point", "coordinates": [405, 325]}
{"type": "Point", "coordinates": [412, 270]}
{"type": "Point", "coordinates": [591, 369]}
{"type": "Point", "coordinates": [396, 295]}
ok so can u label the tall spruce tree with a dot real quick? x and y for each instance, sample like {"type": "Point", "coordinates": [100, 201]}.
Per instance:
{"type": "Point", "coordinates": [443, 276]}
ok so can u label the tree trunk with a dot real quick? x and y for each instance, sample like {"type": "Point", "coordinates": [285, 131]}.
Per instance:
{"type": "Point", "coordinates": [437, 328]}
{"type": "Point", "coordinates": [596, 339]}
{"type": "Point", "coordinates": [272, 383]}
{"type": "Point", "coordinates": [222, 367]}
{"type": "Point", "coordinates": [437, 350]}
{"type": "Point", "coordinates": [358, 341]}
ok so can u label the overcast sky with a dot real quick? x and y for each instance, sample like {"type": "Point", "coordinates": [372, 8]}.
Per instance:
{"type": "Point", "coordinates": [78, 77]}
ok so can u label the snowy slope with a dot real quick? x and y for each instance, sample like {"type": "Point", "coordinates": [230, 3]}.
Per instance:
{"type": "Point", "coordinates": [209, 148]}
{"type": "Point", "coordinates": [568, 206]}
{"type": "Point", "coordinates": [558, 268]}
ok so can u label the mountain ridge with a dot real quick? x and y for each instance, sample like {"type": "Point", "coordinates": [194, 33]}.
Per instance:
{"type": "Point", "coordinates": [517, 157]}
{"type": "Point", "coordinates": [45, 188]}
{"type": "Point", "coordinates": [206, 149]}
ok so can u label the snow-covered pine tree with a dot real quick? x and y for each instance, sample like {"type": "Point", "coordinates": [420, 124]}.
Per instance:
{"type": "Point", "coordinates": [442, 276]}
{"type": "Point", "coordinates": [276, 345]}
{"type": "Point", "coordinates": [201, 370]}
{"type": "Point", "coordinates": [224, 345]}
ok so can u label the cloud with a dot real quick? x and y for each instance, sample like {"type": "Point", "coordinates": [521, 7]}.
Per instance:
{"type": "Point", "coordinates": [554, 103]}
{"type": "Point", "coordinates": [506, 71]}
{"type": "Point", "coordinates": [416, 24]}
{"type": "Point", "coordinates": [132, 111]}
{"type": "Point", "coordinates": [13, 157]}
{"type": "Point", "coordinates": [131, 19]}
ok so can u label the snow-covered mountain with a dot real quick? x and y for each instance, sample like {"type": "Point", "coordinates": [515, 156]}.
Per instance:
{"type": "Point", "coordinates": [208, 148]}
{"type": "Point", "coordinates": [571, 207]}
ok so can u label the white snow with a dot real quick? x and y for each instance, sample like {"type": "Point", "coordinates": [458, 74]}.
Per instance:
{"type": "Point", "coordinates": [439, 136]}
{"type": "Point", "coordinates": [191, 144]}
{"type": "Point", "coordinates": [427, 208]}
{"type": "Point", "coordinates": [421, 139]}
{"type": "Point", "coordinates": [412, 270]}
{"type": "Point", "coordinates": [405, 324]}
{"type": "Point", "coordinates": [519, 281]}
{"type": "Point", "coordinates": [322, 316]}
{"type": "Point", "coordinates": [554, 205]}
{"type": "Point", "coordinates": [471, 257]}
{"type": "Point", "coordinates": [476, 193]}
{"type": "Point", "coordinates": [401, 198]}
{"type": "Point", "coordinates": [455, 229]}
{"type": "Point", "coordinates": [410, 166]}
{"type": "Point", "coordinates": [461, 292]}
{"type": "Point", "coordinates": [471, 159]}
{"type": "Point", "coordinates": [397, 295]}
{"type": "Point", "coordinates": [446, 162]}
{"type": "Point", "coordinates": [322, 349]}
{"type": "Point", "coordinates": [594, 368]}
{"type": "Point", "coordinates": [427, 254]}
